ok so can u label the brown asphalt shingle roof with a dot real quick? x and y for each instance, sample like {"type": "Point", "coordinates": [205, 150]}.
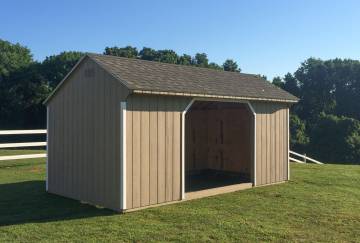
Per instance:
{"type": "Point", "coordinates": [142, 75]}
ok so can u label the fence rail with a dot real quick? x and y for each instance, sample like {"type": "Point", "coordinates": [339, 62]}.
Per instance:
{"type": "Point", "coordinates": [22, 145]}
{"type": "Point", "coordinates": [304, 157]}
{"type": "Point", "coordinates": [43, 155]}
{"type": "Point", "coordinates": [20, 132]}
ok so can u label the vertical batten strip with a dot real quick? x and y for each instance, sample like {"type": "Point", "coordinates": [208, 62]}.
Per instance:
{"type": "Point", "coordinates": [123, 156]}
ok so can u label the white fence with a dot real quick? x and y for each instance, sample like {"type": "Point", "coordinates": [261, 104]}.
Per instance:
{"type": "Point", "coordinates": [43, 155]}
{"type": "Point", "coordinates": [22, 145]}
{"type": "Point", "coordinates": [304, 158]}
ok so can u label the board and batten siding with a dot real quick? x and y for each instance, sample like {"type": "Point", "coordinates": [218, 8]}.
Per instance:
{"type": "Point", "coordinates": [153, 149]}
{"type": "Point", "coordinates": [84, 137]}
{"type": "Point", "coordinates": [219, 140]}
{"type": "Point", "coordinates": [271, 142]}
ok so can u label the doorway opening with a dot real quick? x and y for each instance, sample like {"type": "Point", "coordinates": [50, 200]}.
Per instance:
{"type": "Point", "coordinates": [218, 145]}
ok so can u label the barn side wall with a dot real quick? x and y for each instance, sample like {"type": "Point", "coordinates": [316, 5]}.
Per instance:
{"type": "Point", "coordinates": [84, 137]}
{"type": "Point", "coordinates": [153, 149]}
{"type": "Point", "coordinates": [271, 142]}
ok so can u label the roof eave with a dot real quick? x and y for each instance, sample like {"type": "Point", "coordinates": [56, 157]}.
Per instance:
{"type": "Point", "coordinates": [212, 96]}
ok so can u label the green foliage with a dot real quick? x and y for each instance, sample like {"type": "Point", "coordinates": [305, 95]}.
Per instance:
{"type": "Point", "coordinates": [316, 89]}
{"type": "Point", "coordinates": [262, 76]}
{"type": "Point", "coordinates": [148, 54]}
{"type": "Point", "coordinates": [328, 87]}
{"type": "Point", "coordinates": [291, 84]}
{"type": "Point", "coordinates": [168, 56]}
{"type": "Point", "coordinates": [336, 139]}
{"type": "Point", "coordinates": [231, 65]}
{"type": "Point", "coordinates": [213, 65]}
{"type": "Point", "coordinates": [298, 137]}
{"type": "Point", "coordinates": [185, 60]}
{"type": "Point", "coordinates": [13, 57]}
{"type": "Point", "coordinates": [54, 68]}
{"type": "Point", "coordinates": [345, 76]}
{"type": "Point", "coordinates": [331, 86]}
{"type": "Point", "coordinates": [26, 85]}
{"type": "Point", "coordinates": [201, 60]}
{"type": "Point", "coordinates": [22, 94]}
{"type": "Point", "coordinates": [277, 81]}
{"type": "Point", "coordinates": [128, 51]}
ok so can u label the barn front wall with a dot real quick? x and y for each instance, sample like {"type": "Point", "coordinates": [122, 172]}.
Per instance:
{"type": "Point", "coordinates": [153, 149]}
{"type": "Point", "coordinates": [154, 140]}
{"type": "Point", "coordinates": [272, 141]}
{"type": "Point", "coordinates": [83, 137]}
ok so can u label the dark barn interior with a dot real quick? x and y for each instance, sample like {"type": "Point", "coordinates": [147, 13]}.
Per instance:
{"type": "Point", "coordinates": [218, 145]}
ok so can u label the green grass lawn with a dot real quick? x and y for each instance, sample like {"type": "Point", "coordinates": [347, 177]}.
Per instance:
{"type": "Point", "coordinates": [321, 203]}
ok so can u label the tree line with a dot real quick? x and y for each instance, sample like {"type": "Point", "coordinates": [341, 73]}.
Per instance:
{"type": "Point", "coordinates": [170, 56]}
{"type": "Point", "coordinates": [25, 83]}
{"type": "Point", "coordinates": [324, 124]}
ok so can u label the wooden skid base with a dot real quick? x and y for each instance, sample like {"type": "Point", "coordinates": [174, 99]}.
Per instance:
{"type": "Point", "coordinates": [217, 190]}
{"type": "Point", "coordinates": [200, 194]}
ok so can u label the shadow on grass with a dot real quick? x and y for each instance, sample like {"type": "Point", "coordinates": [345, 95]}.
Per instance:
{"type": "Point", "coordinates": [27, 202]}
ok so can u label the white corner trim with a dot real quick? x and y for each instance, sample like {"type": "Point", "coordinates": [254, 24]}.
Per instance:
{"type": "Point", "coordinates": [47, 148]}
{"type": "Point", "coordinates": [288, 144]}
{"type": "Point", "coordinates": [254, 142]}
{"type": "Point", "coordinates": [183, 148]}
{"type": "Point", "coordinates": [123, 156]}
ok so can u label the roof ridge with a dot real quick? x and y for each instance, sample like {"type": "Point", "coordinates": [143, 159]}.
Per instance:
{"type": "Point", "coordinates": [124, 82]}
{"type": "Point", "coordinates": [172, 64]}
{"type": "Point", "coordinates": [149, 77]}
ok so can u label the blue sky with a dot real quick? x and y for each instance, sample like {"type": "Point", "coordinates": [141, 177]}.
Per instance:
{"type": "Point", "coordinates": [264, 37]}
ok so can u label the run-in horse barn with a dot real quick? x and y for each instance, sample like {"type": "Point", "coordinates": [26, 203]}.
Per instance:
{"type": "Point", "coordinates": [126, 134]}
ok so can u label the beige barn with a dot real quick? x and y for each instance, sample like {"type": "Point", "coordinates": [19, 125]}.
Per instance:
{"type": "Point", "coordinates": [127, 133]}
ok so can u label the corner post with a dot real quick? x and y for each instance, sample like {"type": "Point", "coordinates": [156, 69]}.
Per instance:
{"type": "Point", "coordinates": [254, 141]}
{"type": "Point", "coordinates": [288, 143]}
{"type": "Point", "coordinates": [47, 147]}
{"type": "Point", "coordinates": [123, 156]}
{"type": "Point", "coordinates": [183, 149]}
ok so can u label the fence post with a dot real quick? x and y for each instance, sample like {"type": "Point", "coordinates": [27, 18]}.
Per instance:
{"type": "Point", "coordinates": [304, 158]}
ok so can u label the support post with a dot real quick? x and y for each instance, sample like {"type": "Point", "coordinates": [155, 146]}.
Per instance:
{"type": "Point", "coordinates": [123, 156]}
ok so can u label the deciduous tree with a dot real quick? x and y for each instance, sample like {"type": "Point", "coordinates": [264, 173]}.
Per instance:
{"type": "Point", "coordinates": [128, 51]}
{"type": "Point", "coordinates": [54, 68]}
{"type": "Point", "coordinates": [231, 66]}
{"type": "Point", "coordinates": [13, 57]}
